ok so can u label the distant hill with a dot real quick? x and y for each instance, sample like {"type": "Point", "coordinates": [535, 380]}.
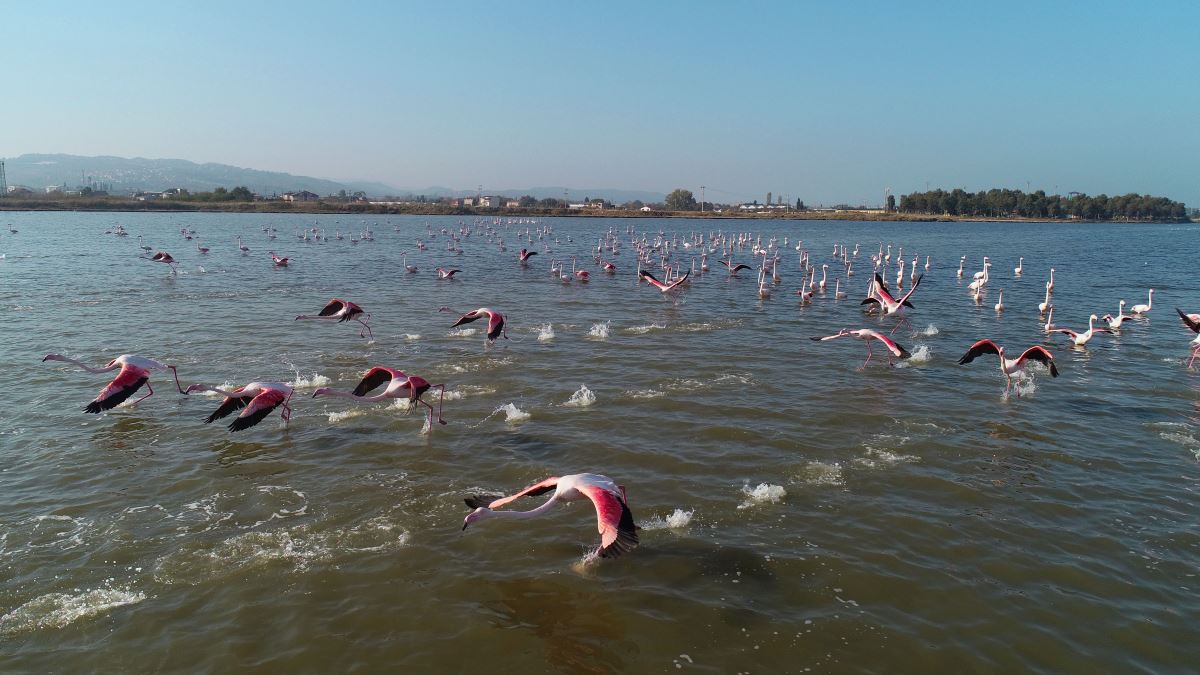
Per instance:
{"type": "Point", "coordinates": [139, 173]}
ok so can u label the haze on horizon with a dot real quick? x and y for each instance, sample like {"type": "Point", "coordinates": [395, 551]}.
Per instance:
{"type": "Point", "coordinates": [824, 103]}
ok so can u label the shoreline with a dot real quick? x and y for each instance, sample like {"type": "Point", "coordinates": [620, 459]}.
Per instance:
{"type": "Point", "coordinates": [358, 208]}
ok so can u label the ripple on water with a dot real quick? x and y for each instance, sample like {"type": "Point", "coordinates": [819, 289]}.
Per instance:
{"type": "Point", "coordinates": [822, 473]}
{"type": "Point", "coordinates": [56, 610]}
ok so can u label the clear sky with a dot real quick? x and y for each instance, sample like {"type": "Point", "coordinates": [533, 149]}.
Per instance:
{"type": "Point", "coordinates": [828, 102]}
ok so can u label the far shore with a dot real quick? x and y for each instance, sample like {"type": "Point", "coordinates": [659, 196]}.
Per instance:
{"type": "Point", "coordinates": [335, 207]}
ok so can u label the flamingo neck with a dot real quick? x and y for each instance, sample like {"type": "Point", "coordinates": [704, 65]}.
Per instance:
{"type": "Point", "coordinates": [222, 392]}
{"type": "Point", "coordinates": [533, 513]}
{"type": "Point", "coordinates": [85, 366]}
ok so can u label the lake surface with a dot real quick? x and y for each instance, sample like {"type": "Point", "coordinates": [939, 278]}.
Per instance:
{"type": "Point", "coordinates": [798, 514]}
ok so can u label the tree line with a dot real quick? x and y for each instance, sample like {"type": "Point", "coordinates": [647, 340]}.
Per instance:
{"type": "Point", "coordinates": [997, 203]}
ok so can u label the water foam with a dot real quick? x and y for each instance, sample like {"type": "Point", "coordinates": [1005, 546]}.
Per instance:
{"type": "Point", "coordinates": [343, 415]}
{"type": "Point", "coordinates": [678, 520]}
{"type": "Point", "coordinates": [645, 393]}
{"type": "Point", "coordinates": [411, 336]}
{"type": "Point", "coordinates": [545, 332]}
{"type": "Point", "coordinates": [763, 493]}
{"type": "Point", "coordinates": [313, 382]}
{"type": "Point", "coordinates": [930, 331]}
{"type": "Point", "coordinates": [462, 332]}
{"type": "Point", "coordinates": [56, 610]}
{"type": "Point", "coordinates": [641, 330]}
{"type": "Point", "coordinates": [922, 354]}
{"type": "Point", "coordinates": [582, 398]}
{"type": "Point", "coordinates": [599, 331]}
{"type": "Point", "coordinates": [822, 473]}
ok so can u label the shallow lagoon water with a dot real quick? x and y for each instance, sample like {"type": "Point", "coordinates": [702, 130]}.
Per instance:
{"type": "Point", "coordinates": [798, 513]}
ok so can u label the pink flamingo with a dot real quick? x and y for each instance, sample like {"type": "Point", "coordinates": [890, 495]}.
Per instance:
{"type": "Point", "coordinates": [582, 275]}
{"type": "Point", "coordinates": [734, 269]}
{"type": "Point", "coordinates": [1081, 339]}
{"type": "Point", "coordinates": [607, 266]}
{"type": "Point", "coordinates": [618, 533]}
{"type": "Point", "coordinates": [1010, 366]}
{"type": "Point", "coordinates": [665, 288]}
{"type": "Point", "coordinates": [399, 386]}
{"type": "Point", "coordinates": [279, 262]}
{"type": "Point", "coordinates": [258, 398]}
{"type": "Point", "coordinates": [445, 274]}
{"type": "Point", "coordinates": [202, 249]}
{"type": "Point", "coordinates": [890, 305]}
{"type": "Point", "coordinates": [135, 371]}
{"type": "Point", "coordinates": [165, 258]}
{"type": "Point", "coordinates": [524, 255]}
{"type": "Point", "coordinates": [495, 321]}
{"type": "Point", "coordinates": [344, 310]}
{"type": "Point", "coordinates": [866, 335]}
{"type": "Point", "coordinates": [1192, 321]}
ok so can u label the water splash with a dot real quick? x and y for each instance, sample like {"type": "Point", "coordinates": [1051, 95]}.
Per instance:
{"type": "Point", "coordinates": [583, 397]}
{"type": "Point", "coordinates": [545, 332]}
{"type": "Point", "coordinates": [343, 415]}
{"type": "Point", "coordinates": [512, 414]}
{"type": "Point", "coordinates": [56, 610]}
{"type": "Point", "coordinates": [678, 520]}
{"type": "Point", "coordinates": [641, 330]}
{"type": "Point", "coordinates": [462, 332]}
{"type": "Point", "coordinates": [921, 355]}
{"type": "Point", "coordinates": [599, 331]}
{"type": "Point", "coordinates": [930, 331]}
{"type": "Point", "coordinates": [302, 382]}
{"type": "Point", "coordinates": [411, 336]}
{"type": "Point", "coordinates": [764, 493]}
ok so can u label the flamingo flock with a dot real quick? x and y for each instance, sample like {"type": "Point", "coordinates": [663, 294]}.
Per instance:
{"type": "Point", "coordinates": [670, 264]}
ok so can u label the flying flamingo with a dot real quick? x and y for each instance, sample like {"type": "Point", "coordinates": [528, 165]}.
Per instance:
{"type": "Point", "coordinates": [495, 321]}
{"type": "Point", "coordinates": [445, 273]}
{"type": "Point", "coordinates": [1114, 322]}
{"type": "Point", "coordinates": [1142, 309]}
{"type": "Point", "coordinates": [399, 386]}
{"type": "Point", "coordinates": [344, 310]}
{"type": "Point", "coordinates": [665, 288]}
{"type": "Point", "coordinates": [258, 398]}
{"type": "Point", "coordinates": [1010, 366]}
{"type": "Point", "coordinates": [890, 305]}
{"type": "Point", "coordinates": [279, 262]}
{"type": "Point", "coordinates": [165, 258]}
{"type": "Point", "coordinates": [1081, 339]}
{"type": "Point", "coordinates": [734, 269]}
{"type": "Point", "coordinates": [135, 371]}
{"type": "Point", "coordinates": [1192, 321]}
{"type": "Point", "coordinates": [618, 533]}
{"type": "Point", "coordinates": [866, 335]}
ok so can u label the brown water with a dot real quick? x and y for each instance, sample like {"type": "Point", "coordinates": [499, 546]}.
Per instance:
{"type": "Point", "coordinates": [798, 513]}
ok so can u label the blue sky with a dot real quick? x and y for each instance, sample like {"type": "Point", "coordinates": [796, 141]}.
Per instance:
{"type": "Point", "coordinates": [828, 102]}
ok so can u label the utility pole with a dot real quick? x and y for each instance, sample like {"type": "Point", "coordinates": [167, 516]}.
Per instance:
{"type": "Point", "coordinates": [701, 199]}
{"type": "Point", "coordinates": [3, 181]}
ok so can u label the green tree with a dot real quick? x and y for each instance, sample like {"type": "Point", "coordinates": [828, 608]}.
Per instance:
{"type": "Point", "coordinates": [241, 193]}
{"type": "Point", "coordinates": [681, 200]}
{"type": "Point", "coordinates": [528, 201]}
{"type": "Point", "coordinates": [891, 203]}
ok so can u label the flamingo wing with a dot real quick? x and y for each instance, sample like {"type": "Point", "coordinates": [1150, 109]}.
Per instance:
{"type": "Point", "coordinates": [904, 301]}
{"type": "Point", "coordinates": [466, 318]}
{"type": "Point", "coordinates": [227, 407]}
{"type": "Point", "coordinates": [128, 381]}
{"type": "Point", "coordinates": [893, 346]}
{"type": "Point", "coordinates": [979, 349]}
{"type": "Point", "coordinates": [650, 278]}
{"type": "Point", "coordinates": [495, 325]}
{"type": "Point", "coordinates": [1192, 321]}
{"type": "Point", "coordinates": [1070, 333]}
{"type": "Point", "coordinates": [496, 501]}
{"type": "Point", "coordinates": [371, 381]}
{"type": "Point", "coordinates": [332, 308]}
{"type": "Point", "coordinates": [881, 291]}
{"type": "Point", "coordinates": [258, 408]}
{"type": "Point", "coordinates": [678, 281]}
{"type": "Point", "coordinates": [618, 533]}
{"type": "Point", "coordinates": [1041, 355]}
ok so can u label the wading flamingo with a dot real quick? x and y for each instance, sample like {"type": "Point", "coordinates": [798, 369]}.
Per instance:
{"type": "Point", "coordinates": [866, 335]}
{"type": "Point", "coordinates": [1081, 339]}
{"type": "Point", "coordinates": [279, 261]}
{"type": "Point", "coordinates": [343, 310]}
{"type": "Point", "coordinates": [1010, 366]}
{"type": "Point", "coordinates": [445, 273]}
{"type": "Point", "coordinates": [1142, 309]}
{"type": "Point", "coordinates": [258, 398]}
{"type": "Point", "coordinates": [1192, 321]}
{"type": "Point", "coordinates": [399, 386]}
{"type": "Point", "coordinates": [135, 371]}
{"type": "Point", "coordinates": [618, 533]}
{"type": "Point", "coordinates": [524, 255]}
{"type": "Point", "coordinates": [1114, 322]}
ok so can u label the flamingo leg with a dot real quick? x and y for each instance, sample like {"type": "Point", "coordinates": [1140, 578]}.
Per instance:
{"type": "Point", "coordinates": [1195, 352]}
{"type": "Point", "coordinates": [366, 328]}
{"type": "Point", "coordinates": [177, 384]}
{"type": "Point", "coordinates": [869, 354]}
{"type": "Point", "coordinates": [148, 387]}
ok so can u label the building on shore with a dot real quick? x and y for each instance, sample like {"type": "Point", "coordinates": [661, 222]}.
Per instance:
{"type": "Point", "coordinates": [301, 196]}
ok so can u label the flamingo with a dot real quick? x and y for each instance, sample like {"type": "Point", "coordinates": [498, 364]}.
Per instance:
{"type": "Point", "coordinates": [202, 249]}
{"type": "Point", "coordinates": [165, 258]}
{"type": "Point", "coordinates": [838, 293]}
{"type": "Point", "coordinates": [582, 275]}
{"type": "Point", "coordinates": [399, 386]}
{"type": "Point", "coordinates": [1142, 309]}
{"type": "Point", "coordinates": [445, 273]}
{"type": "Point", "coordinates": [495, 321]}
{"type": "Point", "coordinates": [1020, 268]}
{"type": "Point", "coordinates": [734, 269]}
{"type": "Point", "coordinates": [1010, 366]}
{"type": "Point", "coordinates": [763, 291]}
{"type": "Point", "coordinates": [1192, 321]}
{"type": "Point", "coordinates": [866, 335]}
{"type": "Point", "coordinates": [1050, 284]}
{"type": "Point", "coordinates": [1081, 339]}
{"type": "Point", "coordinates": [618, 533]}
{"type": "Point", "coordinates": [411, 269]}
{"type": "Point", "coordinates": [1049, 321]}
{"type": "Point", "coordinates": [279, 262]}
{"type": "Point", "coordinates": [1114, 322]}
{"type": "Point", "coordinates": [608, 266]}
{"type": "Point", "coordinates": [135, 371]}
{"type": "Point", "coordinates": [665, 288]}
{"type": "Point", "coordinates": [961, 261]}
{"type": "Point", "coordinates": [344, 310]}
{"type": "Point", "coordinates": [242, 246]}
{"type": "Point", "coordinates": [258, 398]}
{"type": "Point", "coordinates": [1045, 304]}
{"type": "Point", "coordinates": [886, 302]}
{"type": "Point", "coordinates": [523, 256]}
{"type": "Point", "coordinates": [1000, 302]}
{"type": "Point", "coordinates": [824, 269]}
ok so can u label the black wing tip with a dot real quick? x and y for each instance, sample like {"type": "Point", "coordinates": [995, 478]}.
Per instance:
{"type": "Point", "coordinates": [904, 353]}
{"type": "Point", "coordinates": [480, 501]}
{"type": "Point", "coordinates": [1053, 370]}
{"type": "Point", "coordinates": [94, 407]}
